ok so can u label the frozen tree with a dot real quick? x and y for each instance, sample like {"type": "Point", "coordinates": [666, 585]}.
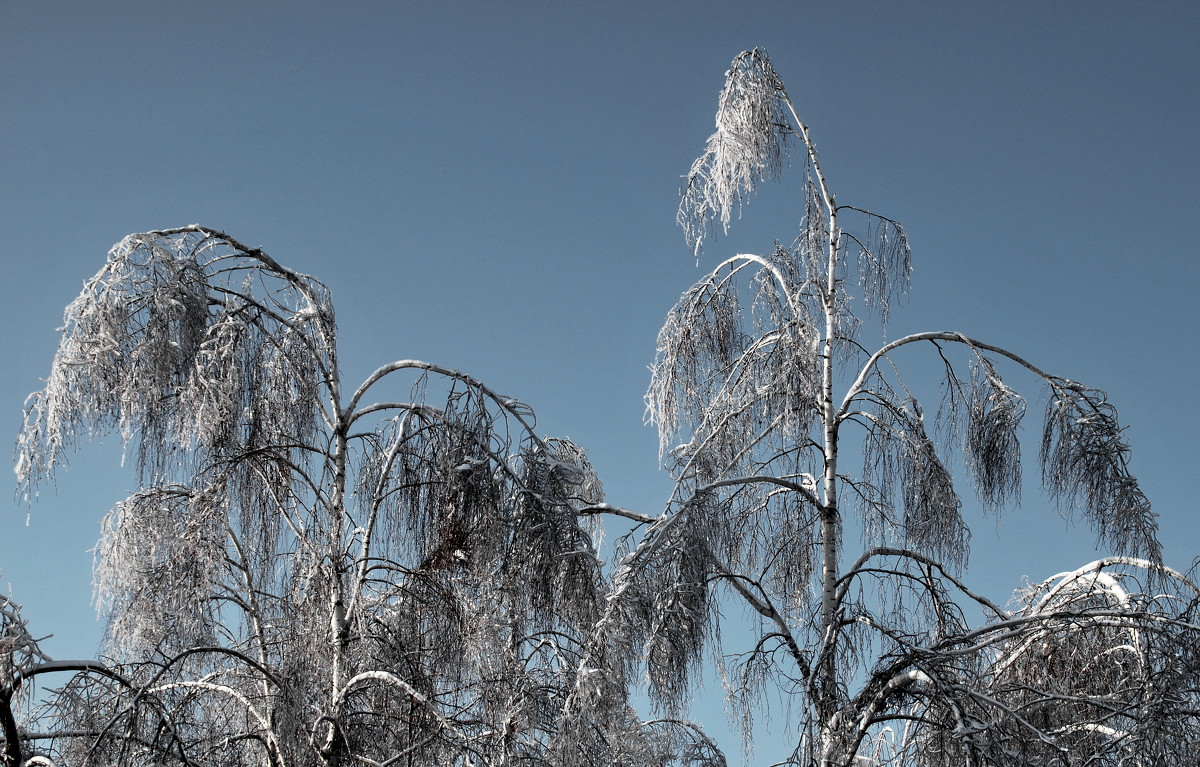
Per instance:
{"type": "Point", "coordinates": [406, 573]}
{"type": "Point", "coordinates": [817, 489]}
{"type": "Point", "coordinates": [400, 574]}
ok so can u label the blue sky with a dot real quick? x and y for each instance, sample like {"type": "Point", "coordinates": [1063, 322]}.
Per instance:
{"type": "Point", "coordinates": [492, 187]}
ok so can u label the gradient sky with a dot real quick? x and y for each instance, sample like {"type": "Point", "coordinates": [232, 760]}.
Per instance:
{"type": "Point", "coordinates": [491, 186]}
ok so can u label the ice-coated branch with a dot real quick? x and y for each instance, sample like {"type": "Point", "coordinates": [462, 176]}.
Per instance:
{"type": "Point", "coordinates": [748, 146]}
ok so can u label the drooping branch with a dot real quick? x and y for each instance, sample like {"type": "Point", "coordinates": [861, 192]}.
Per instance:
{"type": "Point", "coordinates": [1084, 458]}
{"type": "Point", "coordinates": [748, 146]}
{"type": "Point", "coordinates": [190, 345]}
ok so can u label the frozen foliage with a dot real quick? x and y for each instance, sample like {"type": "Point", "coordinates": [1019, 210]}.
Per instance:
{"type": "Point", "coordinates": [791, 442]}
{"type": "Point", "coordinates": [401, 574]}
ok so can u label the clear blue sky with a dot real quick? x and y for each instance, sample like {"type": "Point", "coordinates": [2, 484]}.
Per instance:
{"type": "Point", "coordinates": [491, 186]}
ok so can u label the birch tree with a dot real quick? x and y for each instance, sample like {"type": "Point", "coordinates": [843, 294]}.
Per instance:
{"type": "Point", "coordinates": [402, 573]}
{"type": "Point", "coordinates": [816, 489]}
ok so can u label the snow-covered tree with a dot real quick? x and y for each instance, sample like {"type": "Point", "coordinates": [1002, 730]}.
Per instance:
{"type": "Point", "coordinates": [813, 489]}
{"type": "Point", "coordinates": [398, 574]}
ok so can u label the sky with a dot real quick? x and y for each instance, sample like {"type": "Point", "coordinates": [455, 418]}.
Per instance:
{"type": "Point", "coordinates": [492, 187]}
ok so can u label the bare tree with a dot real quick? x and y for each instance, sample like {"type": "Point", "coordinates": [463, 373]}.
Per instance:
{"type": "Point", "coordinates": [401, 574]}
{"type": "Point", "coordinates": [763, 393]}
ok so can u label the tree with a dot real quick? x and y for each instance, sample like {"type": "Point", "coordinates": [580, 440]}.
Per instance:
{"type": "Point", "coordinates": [399, 575]}
{"type": "Point", "coordinates": [405, 573]}
{"type": "Point", "coordinates": [763, 393]}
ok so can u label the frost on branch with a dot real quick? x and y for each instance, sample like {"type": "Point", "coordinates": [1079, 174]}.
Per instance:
{"type": "Point", "coordinates": [1108, 667]}
{"type": "Point", "coordinates": [697, 345]}
{"type": "Point", "coordinates": [749, 145]}
{"type": "Point", "coordinates": [19, 650]}
{"type": "Point", "coordinates": [900, 460]}
{"type": "Point", "coordinates": [993, 449]}
{"type": "Point", "coordinates": [160, 558]}
{"type": "Point", "coordinates": [1085, 466]}
{"type": "Point", "coordinates": [557, 553]}
{"type": "Point", "coordinates": [182, 340]}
